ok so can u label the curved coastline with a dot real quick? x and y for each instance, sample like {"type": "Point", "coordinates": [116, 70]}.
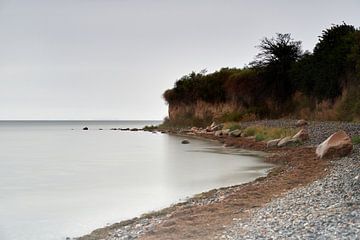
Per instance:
{"type": "Point", "coordinates": [208, 215]}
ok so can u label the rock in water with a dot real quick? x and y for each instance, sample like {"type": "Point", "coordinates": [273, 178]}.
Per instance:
{"type": "Point", "coordinates": [337, 145]}
{"type": "Point", "coordinates": [185, 141]}
{"type": "Point", "coordinates": [85, 128]}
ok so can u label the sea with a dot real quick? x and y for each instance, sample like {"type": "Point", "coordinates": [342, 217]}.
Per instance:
{"type": "Point", "coordinates": [59, 181]}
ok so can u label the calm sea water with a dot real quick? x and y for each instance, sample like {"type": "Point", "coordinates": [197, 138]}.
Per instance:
{"type": "Point", "coordinates": [57, 180]}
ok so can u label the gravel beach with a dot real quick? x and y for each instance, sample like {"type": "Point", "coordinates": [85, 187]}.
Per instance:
{"type": "Point", "coordinates": [327, 207]}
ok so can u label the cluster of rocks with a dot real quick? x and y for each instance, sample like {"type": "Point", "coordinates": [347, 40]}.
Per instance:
{"type": "Point", "coordinates": [216, 130]}
{"type": "Point", "coordinates": [337, 145]}
{"type": "Point", "coordinates": [299, 137]}
{"type": "Point", "coordinates": [119, 129]}
{"type": "Point", "coordinates": [328, 208]}
{"type": "Point", "coordinates": [126, 129]}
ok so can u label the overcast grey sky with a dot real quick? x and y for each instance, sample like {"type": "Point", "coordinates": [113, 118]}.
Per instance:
{"type": "Point", "coordinates": [112, 59]}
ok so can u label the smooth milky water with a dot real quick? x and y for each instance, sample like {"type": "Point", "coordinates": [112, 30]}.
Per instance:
{"type": "Point", "coordinates": [57, 181]}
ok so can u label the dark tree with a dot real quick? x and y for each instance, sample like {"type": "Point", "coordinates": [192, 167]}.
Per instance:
{"type": "Point", "coordinates": [281, 49]}
{"type": "Point", "coordinates": [331, 60]}
{"type": "Point", "coordinates": [276, 57]}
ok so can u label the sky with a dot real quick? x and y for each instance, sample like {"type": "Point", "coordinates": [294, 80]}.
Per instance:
{"type": "Point", "coordinates": [113, 59]}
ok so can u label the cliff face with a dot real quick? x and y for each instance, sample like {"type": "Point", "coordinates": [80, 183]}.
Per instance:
{"type": "Point", "coordinates": [201, 110]}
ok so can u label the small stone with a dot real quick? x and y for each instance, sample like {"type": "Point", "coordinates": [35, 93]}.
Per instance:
{"type": "Point", "coordinates": [185, 141]}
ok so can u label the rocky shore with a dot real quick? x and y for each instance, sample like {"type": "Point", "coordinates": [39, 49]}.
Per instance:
{"type": "Point", "coordinates": [303, 198]}
{"type": "Point", "coordinates": [328, 208]}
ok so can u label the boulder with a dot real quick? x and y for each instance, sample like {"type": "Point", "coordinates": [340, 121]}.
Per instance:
{"type": "Point", "coordinates": [185, 141]}
{"type": "Point", "coordinates": [301, 123]}
{"type": "Point", "coordinates": [216, 128]}
{"type": "Point", "coordinates": [302, 135]}
{"type": "Point", "coordinates": [218, 133]}
{"type": "Point", "coordinates": [85, 128]}
{"type": "Point", "coordinates": [235, 133]}
{"type": "Point", "coordinates": [286, 141]}
{"type": "Point", "coordinates": [225, 131]}
{"type": "Point", "coordinates": [273, 143]}
{"type": "Point", "coordinates": [337, 145]}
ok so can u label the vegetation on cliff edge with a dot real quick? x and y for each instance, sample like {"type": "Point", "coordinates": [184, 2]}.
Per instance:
{"type": "Point", "coordinates": [285, 81]}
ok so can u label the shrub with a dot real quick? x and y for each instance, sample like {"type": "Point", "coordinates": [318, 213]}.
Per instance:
{"type": "Point", "coordinates": [259, 137]}
{"type": "Point", "coordinates": [267, 133]}
{"type": "Point", "coordinates": [231, 117]}
{"type": "Point", "coordinates": [150, 128]}
{"type": "Point", "coordinates": [349, 108]}
{"type": "Point", "coordinates": [232, 126]}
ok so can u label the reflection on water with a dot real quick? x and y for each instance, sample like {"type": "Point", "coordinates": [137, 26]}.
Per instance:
{"type": "Point", "coordinates": [57, 182]}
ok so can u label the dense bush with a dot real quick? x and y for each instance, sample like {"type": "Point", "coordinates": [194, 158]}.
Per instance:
{"type": "Point", "coordinates": [281, 72]}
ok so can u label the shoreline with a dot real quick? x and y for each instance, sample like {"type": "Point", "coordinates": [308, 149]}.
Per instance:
{"type": "Point", "coordinates": [208, 214]}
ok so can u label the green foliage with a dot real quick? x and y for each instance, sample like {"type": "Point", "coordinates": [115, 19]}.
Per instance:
{"type": "Point", "coordinates": [231, 117]}
{"type": "Point", "coordinates": [231, 125]}
{"type": "Point", "coordinates": [185, 121]}
{"type": "Point", "coordinates": [266, 133]}
{"type": "Point", "coordinates": [323, 74]}
{"type": "Point", "coordinates": [356, 140]}
{"type": "Point", "coordinates": [259, 137]}
{"type": "Point", "coordinates": [150, 128]}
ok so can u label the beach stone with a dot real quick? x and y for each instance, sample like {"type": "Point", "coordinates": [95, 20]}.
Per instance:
{"type": "Point", "coordinates": [185, 141]}
{"type": "Point", "coordinates": [85, 128]}
{"type": "Point", "coordinates": [225, 131]}
{"type": "Point", "coordinates": [273, 143]}
{"type": "Point", "coordinates": [287, 141]}
{"type": "Point", "coordinates": [235, 133]}
{"type": "Point", "coordinates": [301, 123]}
{"type": "Point", "coordinates": [302, 135]}
{"type": "Point", "coordinates": [218, 133]}
{"type": "Point", "coordinates": [216, 128]}
{"type": "Point", "coordinates": [337, 145]}
{"type": "Point", "coordinates": [194, 129]}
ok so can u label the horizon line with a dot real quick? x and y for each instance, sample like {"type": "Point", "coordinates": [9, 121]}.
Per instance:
{"type": "Point", "coordinates": [80, 120]}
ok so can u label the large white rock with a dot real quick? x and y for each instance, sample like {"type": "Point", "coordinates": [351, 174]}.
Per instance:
{"type": "Point", "coordinates": [225, 131]}
{"type": "Point", "coordinates": [337, 145]}
{"type": "Point", "coordinates": [218, 133]}
{"type": "Point", "coordinates": [273, 143]}
{"type": "Point", "coordinates": [235, 133]}
{"type": "Point", "coordinates": [302, 135]}
{"type": "Point", "coordinates": [287, 141]}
